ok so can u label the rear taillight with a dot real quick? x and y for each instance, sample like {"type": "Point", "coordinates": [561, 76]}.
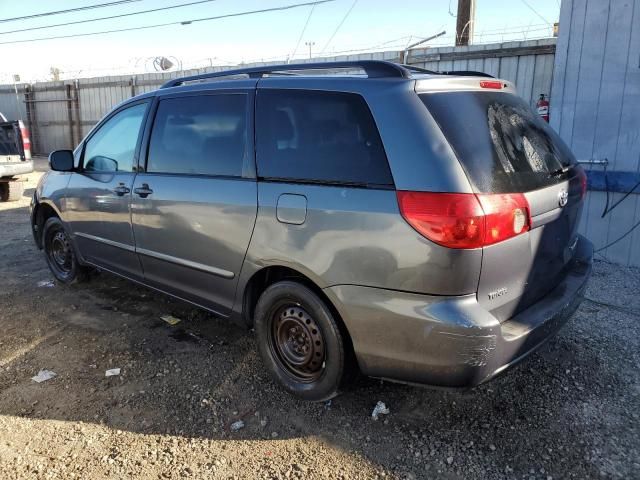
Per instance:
{"type": "Point", "coordinates": [582, 175]}
{"type": "Point", "coordinates": [465, 220]}
{"type": "Point", "coordinates": [26, 141]}
{"type": "Point", "coordinates": [506, 214]}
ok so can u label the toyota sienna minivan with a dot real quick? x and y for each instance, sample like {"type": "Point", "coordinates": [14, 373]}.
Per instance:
{"type": "Point", "coordinates": [413, 225]}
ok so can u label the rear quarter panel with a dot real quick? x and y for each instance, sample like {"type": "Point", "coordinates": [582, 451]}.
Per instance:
{"type": "Point", "coordinates": [356, 236]}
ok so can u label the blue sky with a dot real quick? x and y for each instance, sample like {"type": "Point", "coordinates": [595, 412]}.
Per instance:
{"type": "Point", "coordinates": [371, 24]}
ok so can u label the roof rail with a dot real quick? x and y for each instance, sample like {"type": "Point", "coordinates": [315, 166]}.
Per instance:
{"type": "Point", "coordinates": [373, 69]}
{"type": "Point", "coordinates": [467, 73]}
{"type": "Point", "coordinates": [414, 68]}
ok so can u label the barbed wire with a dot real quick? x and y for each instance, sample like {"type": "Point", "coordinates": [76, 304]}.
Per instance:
{"type": "Point", "coordinates": [394, 44]}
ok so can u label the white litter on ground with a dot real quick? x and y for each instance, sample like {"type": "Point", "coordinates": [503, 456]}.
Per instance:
{"type": "Point", "coordinates": [112, 373]}
{"type": "Point", "coordinates": [170, 319]}
{"type": "Point", "coordinates": [45, 284]}
{"type": "Point", "coordinates": [43, 376]}
{"type": "Point", "coordinates": [235, 426]}
{"type": "Point", "coordinates": [379, 409]}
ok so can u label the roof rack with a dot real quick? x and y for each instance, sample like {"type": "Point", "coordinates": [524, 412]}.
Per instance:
{"type": "Point", "coordinates": [373, 69]}
{"type": "Point", "coordinates": [466, 73]}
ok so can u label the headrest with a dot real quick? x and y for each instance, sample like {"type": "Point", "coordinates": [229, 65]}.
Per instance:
{"type": "Point", "coordinates": [283, 128]}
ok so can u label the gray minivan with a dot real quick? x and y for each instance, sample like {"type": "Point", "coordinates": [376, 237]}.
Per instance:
{"type": "Point", "coordinates": [416, 226]}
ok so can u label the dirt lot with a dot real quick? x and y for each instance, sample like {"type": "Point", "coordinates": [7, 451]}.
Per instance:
{"type": "Point", "coordinates": [571, 411]}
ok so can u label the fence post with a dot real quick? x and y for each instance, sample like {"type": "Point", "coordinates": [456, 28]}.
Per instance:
{"type": "Point", "coordinates": [67, 89]}
{"type": "Point", "coordinates": [32, 121]}
{"type": "Point", "coordinates": [133, 86]}
{"type": "Point", "coordinates": [76, 98]}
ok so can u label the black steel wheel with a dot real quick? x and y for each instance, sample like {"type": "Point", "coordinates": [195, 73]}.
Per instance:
{"type": "Point", "coordinates": [297, 342]}
{"type": "Point", "coordinates": [59, 252]}
{"type": "Point", "coordinates": [300, 341]}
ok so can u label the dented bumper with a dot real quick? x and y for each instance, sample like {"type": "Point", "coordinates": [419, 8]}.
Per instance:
{"type": "Point", "coordinates": [451, 341]}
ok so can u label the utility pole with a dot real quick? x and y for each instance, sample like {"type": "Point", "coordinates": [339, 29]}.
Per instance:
{"type": "Point", "coordinates": [310, 45]}
{"type": "Point", "coordinates": [465, 21]}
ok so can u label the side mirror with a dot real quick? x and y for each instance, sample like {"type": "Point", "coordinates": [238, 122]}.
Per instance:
{"type": "Point", "coordinates": [61, 160]}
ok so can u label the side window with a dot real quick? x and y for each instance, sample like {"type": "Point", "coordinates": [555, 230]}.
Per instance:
{"type": "Point", "coordinates": [112, 147]}
{"type": "Point", "coordinates": [199, 135]}
{"type": "Point", "coordinates": [318, 136]}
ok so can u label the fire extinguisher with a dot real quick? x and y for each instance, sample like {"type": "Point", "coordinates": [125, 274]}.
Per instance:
{"type": "Point", "coordinates": [543, 107]}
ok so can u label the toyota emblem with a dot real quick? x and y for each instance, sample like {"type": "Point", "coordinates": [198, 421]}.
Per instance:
{"type": "Point", "coordinates": [563, 198]}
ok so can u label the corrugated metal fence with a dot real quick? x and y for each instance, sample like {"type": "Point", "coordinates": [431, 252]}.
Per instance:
{"type": "Point", "coordinates": [59, 114]}
{"type": "Point", "coordinates": [595, 106]}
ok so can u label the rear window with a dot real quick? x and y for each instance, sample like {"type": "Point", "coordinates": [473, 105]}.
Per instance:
{"type": "Point", "coordinates": [318, 137]}
{"type": "Point", "coordinates": [199, 135]}
{"type": "Point", "coordinates": [501, 143]}
{"type": "Point", "coordinates": [8, 141]}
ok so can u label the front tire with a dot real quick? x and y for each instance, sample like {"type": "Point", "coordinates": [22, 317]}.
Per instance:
{"type": "Point", "coordinates": [11, 191]}
{"type": "Point", "coordinates": [59, 253]}
{"type": "Point", "coordinates": [300, 341]}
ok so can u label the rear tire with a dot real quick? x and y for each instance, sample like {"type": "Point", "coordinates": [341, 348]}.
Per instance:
{"type": "Point", "coordinates": [11, 191]}
{"type": "Point", "coordinates": [60, 254]}
{"type": "Point", "coordinates": [300, 341]}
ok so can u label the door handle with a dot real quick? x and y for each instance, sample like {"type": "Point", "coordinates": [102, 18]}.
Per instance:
{"type": "Point", "coordinates": [121, 189]}
{"type": "Point", "coordinates": [144, 191]}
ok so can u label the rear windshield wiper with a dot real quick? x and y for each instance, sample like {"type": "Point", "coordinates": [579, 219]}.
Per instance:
{"type": "Point", "coordinates": [559, 171]}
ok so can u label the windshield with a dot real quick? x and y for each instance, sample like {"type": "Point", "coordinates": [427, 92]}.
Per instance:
{"type": "Point", "coordinates": [502, 144]}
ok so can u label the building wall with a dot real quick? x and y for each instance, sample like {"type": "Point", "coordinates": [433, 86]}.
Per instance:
{"type": "Point", "coordinates": [595, 106]}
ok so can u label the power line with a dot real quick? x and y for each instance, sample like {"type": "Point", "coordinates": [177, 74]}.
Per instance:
{"type": "Point", "coordinates": [346, 15]}
{"type": "Point", "coordinates": [518, 27]}
{"type": "Point", "coordinates": [58, 12]}
{"type": "Point", "coordinates": [109, 17]}
{"type": "Point", "coordinates": [304, 29]}
{"type": "Point", "coordinates": [535, 11]}
{"type": "Point", "coordinates": [369, 47]}
{"type": "Point", "coordinates": [512, 32]}
{"type": "Point", "coordinates": [184, 22]}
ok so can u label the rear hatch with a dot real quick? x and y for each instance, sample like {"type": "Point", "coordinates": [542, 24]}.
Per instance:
{"type": "Point", "coordinates": [505, 148]}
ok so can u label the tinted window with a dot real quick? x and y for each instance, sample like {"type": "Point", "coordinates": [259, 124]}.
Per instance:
{"type": "Point", "coordinates": [112, 147]}
{"type": "Point", "coordinates": [200, 135]}
{"type": "Point", "coordinates": [318, 136]}
{"type": "Point", "coordinates": [501, 143]}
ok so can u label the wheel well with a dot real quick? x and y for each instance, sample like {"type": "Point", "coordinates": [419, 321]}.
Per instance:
{"type": "Point", "coordinates": [262, 279]}
{"type": "Point", "coordinates": [43, 213]}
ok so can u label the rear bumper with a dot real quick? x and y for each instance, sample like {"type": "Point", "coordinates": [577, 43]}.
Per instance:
{"type": "Point", "coordinates": [452, 341]}
{"type": "Point", "coordinates": [18, 168]}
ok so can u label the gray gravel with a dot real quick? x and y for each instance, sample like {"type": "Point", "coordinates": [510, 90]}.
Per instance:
{"type": "Point", "coordinates": [570, 411]}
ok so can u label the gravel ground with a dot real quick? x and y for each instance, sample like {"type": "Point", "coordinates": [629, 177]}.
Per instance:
{"type": "Point", "coordinates": [570, 411]}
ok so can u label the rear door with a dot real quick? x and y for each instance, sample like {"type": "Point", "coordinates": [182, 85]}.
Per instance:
{"type": "Point", "coordinates": [326, 196]}
{"type": "Point", "coordinates": [505, 147]}
{"type": "Point", "coordinates": [194, 205]}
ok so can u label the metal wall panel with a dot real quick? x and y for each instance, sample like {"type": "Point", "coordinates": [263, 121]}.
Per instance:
{"type": "Point", "coordinates": [595, 106]}
{"type": "Point", "coordinates": [531, 73]}
{"type": "Point", "coordinates": [10, 107]}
